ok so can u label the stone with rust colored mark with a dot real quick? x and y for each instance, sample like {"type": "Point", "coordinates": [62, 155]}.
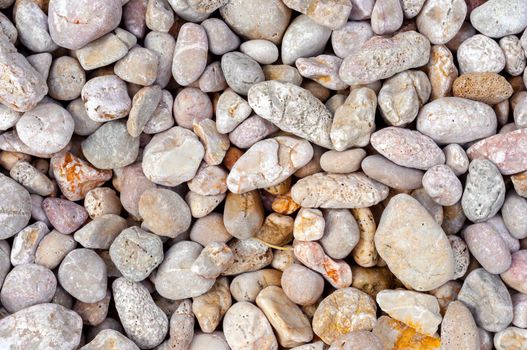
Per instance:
{"type": "Point", "coordinates": [191, 105]}
{"type": "Point", "coordinates": [403, 51]}
{"type": "Point", "coordinates": [102, 201]}
{"type": "Point", "coordinates": [459, 330]}
{"type": "Point", "coordinates": [268, 163]}
{"type": "Point", "coordinates": [440, 20]}
{"type": "Point", "coordinates": [101, 232]}
{"type": "Point", "coordinates": [441, 71]}
{"type": "Point", "coordinates": [106, 98]}
{"type": "Point", "coordinates": [282, 73]}
{"type": "Point", "coordinates": [26, 242]}
{"type": "Point", "coordinates": [488, 300]}
{"type": "Point", "coordinates": [284, 204]}
{"type": "Point", "coordinates": [246, 328]}
{"type": "Point", "coordinates": [144, 104]}
{"type": "Point", "coordinates": [417, 310]}
{"type": "Point", "coordinates": [93, 313]}
{"type": "Point", "coordinates": [510, 338]}
{"type": "Point", "coordinates": [210, 307]}
{"type": "Point", "coordinates": [515, 276]}
{"type": "Point", "coordinates": [164, 212]}
{"type": "Point", "coordinates": [407, 148]}
{"type": "Point", "coordinates": [386, 16]}
{"type": "Point", "coordinates": [243, 214]}
{"type": "Point", "coordinates": [323, 69]}
{"type": "Point", "coordinates": [519, 182]}
{"type": "Point", "coordinates": [32, 179]}
{"type": "Point", "coordinates": [76, 177]}
{"type": "Point", "coordinates": [365, 253]}
{"type": "Point", "coordinates": [354, 190]}
{"type": "Point", "coordinates": [210, 180]}
{"type": "Point", "coordinates": [276, 230]}
{"type": "Point", "coordinates": [250, 131]}
{"type": "Point", "coordinates": [398, 336]}
{"type": "Point", "coordinates": [293, 109]}
{"type": "Point", "coordinates": [479, 53]}
{"type": "Point", "coordinates": [53, 248]}
{"type": "Point", "coordinates": [249, 255]}
{"type": "Point", "coordinates": [430, 260]}
{"type": "Point", "coordinates": [231, 110]}
{"type": "Point", "coordinates": [282, 188]}
{"type": "Point", "coordinates": [107, 338]}
{"type": "Point", "coordinates": [343, 311]}
{"type": "Point", "coordinates": [215, 258]}
{"type": "Point", "coordinates": [309, 225]}
{"type": "Point", "coordinates": [64, 215]}
{"type": "Point", "coordinates": [291, 325]}
{"type": "Point", "coordinates": [331, 14]}
{"type": "Point", "coordinates": [216, 144]}
{"type": "Point", "coordinates": [487, 87]}
{"type": "Point", "coordinates": [312, 255]}
{"type": "Point", "coordinates": [302, 285]}
{"type": "Point", "coordinates": [247, 286]}
{"type": "Point", "coordinates": [190, 54]}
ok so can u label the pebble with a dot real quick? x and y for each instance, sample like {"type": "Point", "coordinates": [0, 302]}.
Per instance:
{"type": "Point", "coordinates": [221, 38]}
{"type": "Point", "coordinates": [144, 104]}
{"type": "Point", "coordinates": [47, 126]}
{"type": "Point", "coordinates": [456, 159]}
{"type": "Point", "coordinates": [190, 54]}
{"type": "Point", "coordinates": [396, 335]}
{"type": "Point", "coordinates": [144, 322]}
{"type": "Point", "coordinates": [488, 87]}
{"type": "Point", "coordinates": [276, 160]}
{"type": "Point", "coordinates": [479, 54]}
{"type": "Point", "coordinates": [163, 45]}
{"type": "Point", "coordinates": [350, 37]}
{"type": "Point", "coordinates": [201, 206]}
{"type": "Point", "coordinates": [500, 18]}
{"type": "Point", "coordinates": [136, 253]}
{"type": "Point", "coordinates": [215, 143]}
{"type": "Point", "coordinates": [84, 125]}
{"type": "Point", "coordinates": [407, 148]}
{"type": "Point", "coordinates": [74, 277]}
{"type": "Point", "coordinates": [456, 120]}
{"type": "Point", "coordinates": [71, 25]}
{"type": "Point", "coordinates": [354, 121]}
{"type": "Point", "coordinates": [440, 20]}
{"type": "Point", "coordinates": [159, 15]}
{"type": "Point", "coordinates": [243, 214]}
{"type": "Point", "coordinates": [247, 286]}
{"type": "Point", "coordinates": [429, 204]}
{"type": "Point", "coordinates": [249, 255]}
{"type": "Point", "coordinates": [386, 16]}
{"type": "Point", "coordinates": [246, 327]}
{"type": "Point", "coordinates": [514, 55]}
{"type": "Point", "coordinates": [161, 119]}
{"type": "Point", "coordinates": [65, 216]}
{"type": "Point", "coordinates": [323, 69]}
{"type": "Point", "coordinates": [139, 66]}
{"type": "Point", "coordinates": [107, 338]}
{"type": "Point", "coordinates": [257, 20]}
{"type": "Point", "coordinates": [461, 255]}
{"type": "Point", "coordinates": [515, 276]}
{"type": "Point", "coordinates": [291, 325]}
{"type": "Point", "coordinates": [134, 17]}
{"type": "Point", "coordinates": [518, 181]}
{"type": "Point", "coordinates": [403, 51]}
{"type": "Point", "coordinates": [343, 311]}
{"type": "Point", "coordinates": [164, 212]}
{"type": "Point", "coordinates": [53, 248]}
{"type": "Point", "coordinates": [27, 285]}
{"type": "Point", "coordinates": [332, 15]}
{"type": "Point", "coordinates": [342, 162]}
{"type": "Point", "coordinates": [511, 337]}
{"type": "Point", "coordinates": [26, 242]}
{"type": "Point", "coordinates": [241, 71]}
{"type": "Point", "coordinates": [415, 271]}
{"type": "Point", "coordinates": [417, 310]}
{"type": "Point", "coordinates": [134, 183]}
{"type": "Point", "coordinates": [214, 259]}
{"type": "Point", "coordinates": [185, 11]}
{"type": "Point", "coordinates": [302, 285]}
{"type": "Point", "coordinates": [353, 190]}
{"type": "Point", "coordinates": [191, 105]}
{"type": "Point", "coordinates": [506, 151]}
{"type": "Point", "coordinates": [262, 51]}
{"type": "Point", "coordinates": [519, 303]}
{"type": "Point", "coordinates": [8, 117]}
{"type": "Point", "coordinates": [512, 211]}
{"type": "Point", "coordinates": [309, 225]}
{"type": "Point", "coordinates": [361, 9]}
{"type": "Point", "coordinates": [458, 330]}
{"type": "Point", "coordinates": [479, 237]}
{"type": "Point", "coordinates": [390, 174]}
{"type": "Point", "coordinates": [231, 110]}
{"type": "Point", "coordinates": [209, 228]}
{"type": "Point", "coordinates": [250, 131]}
{"type": "Point", "coordinates": [442, 185]}
{"type": "Point", "coordinates": [484, 191]}
{"type": "Point", "coordinates": [412, 87]}
{"type": "Point", "coordinates": [209, 180]}
{"type": "Point", "coordinates": [93, 313]}
{"type": "Point", "coordinates": [441, 71]}
{"type": "Point", "coordinates": [46, 326]}
{"type": "Point", "coordinates": [487, 299]}
{"type": "Point", "coordinates": [209, 341]}
{"type": "Point", "coordinates": [210, 307]}
{"type": "Point", "coordinates": [276, 230]}
{"type": "Point", "coordinates": [106, 98]}
{"type": "Point", "coordinates": [32, 179]}
{"type": "Point", "coordinates": [341, 233]}
{"type": "Point", "coordinates": [212, 79]}
{"type": "Point", "coordinates": [101, 52]}
{"type": "Point", "coordinates": [101, 232]}
{"type": "Point", "coordinates": [282, 73]}
{"type": "Point", "coordinates": [66, 79]}
{"type": "Point", "coordinates": [173, 146]}
{"type": "Point", "coordinates": [175, 279]}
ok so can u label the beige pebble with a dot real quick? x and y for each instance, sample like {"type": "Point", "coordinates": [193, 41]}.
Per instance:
{"type": "Point", "coordinates": [190, 54]}
{"type": "Point", "coordinates": [210, 307]}
{"type": "Point", "coordinates": [302, 285]}
{"type": "Point", "coordinates": [249, 255]}
{"type": "Point", "coordinates": [106, 98]}
{"type": "Point", "coordinates": [386, 16]}
{"type": "Point", "coordinates": [209, 228]}
{"type": "Point", "coordinates": [276, 230]}
{"type": "Point", "coordinates": [309, 225]}
{"type": "Point", "coordinates": [390, 174]}
{"type": "Point", "coordinates": [342, 162]}
{"type": "Point", "coordinates": [243, 214]}
{"type": "Point", "coordinates": [246, 286]}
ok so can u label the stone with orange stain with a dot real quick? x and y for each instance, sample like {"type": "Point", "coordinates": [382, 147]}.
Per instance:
{"type": "Point", "coordinates": [487, 87]}
{"type": "Point", "coordinates": [283, 73]}
{"type": "Point", "coordinates": [276, 230]}
{"type": "Point", "coordinates": [396, 335]}
{"type": "Point", "coordinates": [343, 311]}
{"type": "Point", "coordinates": [76, 177]}
{"type": "Point", "coordinates": [231, 157]}
{"type": "Point", "coordinates": [26, 242]}
{"type": "Point", "coordinates": [519, 182]}
{"type": "Point", "coordinates": [511, 338]}
{"type": "Point", "coordinates": [109, 339]}
{"type": "Point", "coordinates": [282, 188]}
{"type": "Point", "coordinates": [441, 71]}
{"type": "Point", "coordinates": [309, 225]}
{"type": "Point", "coordinates": [332, 14]}
{"type": "Point", "coordinates": [284, 204]}
{"type": "Point", "coordinates": [323, 69]}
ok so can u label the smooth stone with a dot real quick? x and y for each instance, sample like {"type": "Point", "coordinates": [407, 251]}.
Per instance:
{"type": "Point", "coordinates": [134, 13]}
{"type": "Point", "coordinates": [186, 12]}
{"type": "Point", "coordinates": [434, 264]}
{"type": "Point", "coordinates": [144, 322]}
{"type": "Point", "coordinates": [372, 280]}
{"type": "Point", "coordinates": [350, 37]}
{"type": "Point", "coordinates": [209, 228]}
{"type": "Point", "coordinates": [53, 248]}
{"type": "Point", "coordinates": [231, 110]}
{"type": "Point", "coordinates": [247, 286]}
{"type": "Point", "coordinates": [513, 213]}
{"type": "Point", "coordinates": [262, 51]}
{"type": "Point", "coordinates": [487, 299]}
{"type": "Point", "coordinates": [8, 117]}
{"type": "Point", "coordinates": [434, 209]}
{"type": "Point", "coordinates": [498, 225]}
{"type": "Point", "coordinates": [515, 61]}
{"type": "Point", "coordinates": [484, 191]}
{"type": "Point", "coordinates": [162, 118]}
{"type": "Point", "coordinates": [480, 53]}
{"type": "Point", "coordinates": [341, 233]}
{"type": "Point", "coordinates": [442, 185]}
{"type": "Point", "coordinates": [394, 334]}
{"type": "Point", "coordinates": [66, 79]}
{"type": "Point", "coordinates": [209, 180]}
{"type": "Point", "coordinates": [303, 38]}
{"type": "Point", "coordinates": [241, 71]}
{"type": "Point", "coordinates": [84, 125]}
{"type": "Point", "coordinates": [190, 54]}
{"type": "Point", "coordinates": [456, 158]}
{"type": "Point", "coordinates": [139, 66]}
{"type": "Point", "coordinates": [40, 327]}
{"type": "Point", "coordinates": [519, 303]}
{"type": "Point", "coordinates": [32, 179]}
{"type": "Point", "coordinates": [459, 330]}
{"type": "Point", "coordinates": [442, 71]}
{"type": "Point", "coordinates": [163, 45]}
{"type": "Point", "coordinates": [342, 162]}
{"type": "Point", "coordinates": [209, 341]}
{"type": "Point", "coordinates": [106, 98]}
{"type": "Point", "coordinates": [515, 277]}
{"type": "Point", "coordinates": [386, 16]}
{"type": "Point", "coordinates": [214, 259]}
{"type": "Point", "coordinates": [250, 131]}
{"type": "Point", "coordinates": [440, 20]}
{"type": "Point", "coordinates": [82, 274]}
{"type": "Point", "coordinates": [93, 313]}
{"type": "Point", "coordinates": [26, 242]}
{"type": "Point", "coordinates": [101, 52]}
{"type": "Point", "coordinates": [353, 190]}
{"type": "Point", "coordinates": [221, 38]}
{"type": "Point", "coordinates": [500, 18]}
{"type": "Point", "coordinates": [101, 232]}
{"type": "Point", "coordinates": [64, 215]}
{"type": "Point", "coordinates": [212, 79]}
{"type": "Point", "coordinates": [283, 73]}
{"type": "Point", "coordinates": [352, 340]}
{"type": "Point", "coordinates": [132, 186]}
{"type": "Point", "coordinates": [390, 174]}
{"type": "Point", "coordinates": [243, 214]}
{"type": "Point", "coordinates": [191, 105]}
{"type": "Point", "coordinates": [323, 69]}
{"type": "Point", "coordinates": [210, 307]}
{"type": "Point", "coordinates": [510, 338]}
{"type": "Point", "coordinates": [330, 14]}
{"type": "Point", "coordinates": [302, 286]}
{"type": "Point", "coordinates": [159, 16]}
{"type": "Point", "coordinates": [200, 205]}
{"type": "Point", "coordinates": [144, 104]}
{"type": "Point", "coordinates": [175, 279]}
{"type": "Point", "coordinates": [216, 144]}
{"type": "Point", "coordinates": [107, 338]}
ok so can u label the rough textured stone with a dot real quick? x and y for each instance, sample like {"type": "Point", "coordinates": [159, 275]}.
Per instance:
{"type": "Point", "coordinates": [323, 69]}
{"type": "Point", "coordinates": [241, 71]}
{"type": "Point", "coordinates": [459, 330]}
{"type": "Point", "coordinates": [440, 20]}
{"type": "Point", "coordinates": [26, 242]}
{"type": "Point", "coordinates": [442, 71]}
{"type": "Point", "coordinates": [108, 338]}
{"type": "Point", "coordinates": [210, 307]}
{"type": "Point", "coordinates": [302, 285]}
{"type": "Point", "coordinates": [499, 18]}
{"type": "Point", "coordinates": [396, 335]}
{"type": "Point", "coordinates": [488, 87]}
{"type": "Point", "coordinates": [106, 98]}
{"type": "Point", "coordinates": [249, 255]}
{"type": "Point", "coordinates": [32, 179]}
{"type": "Point", "coordinates": [480, 53]}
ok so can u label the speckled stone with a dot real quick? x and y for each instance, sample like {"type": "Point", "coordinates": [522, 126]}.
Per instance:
{"type": "Point", "coordinates": [330, 14]}
{"type": "Point", "coordinates": [480, 53]}
{"type": "Point", "coordinates": [106, 98]}
{"type": "Point", "coordinates": [458, 330]}
{"type": "Point", "coordinates": [53, 248]}
{"type": "Point", "coordinates": [144, 104]}
{"type": "Point", "coordinates": [249, 255]}
{"type": "Point", "coordinates": [487, 87]}
{"type": "Point", "coordinates": [107, 338]}
{"type": "Point", "coordinates": [515, 277]}
{"type": "Point", "coordinates": [26, 242]}
{"type": "Point", "coordinates": [442, 71]}
{"type": "Point", "coordinates": [210, 307]}
{"type": "Point", "coordinates": [32, 179]}
{"type": "Point", "coordinates": [499, 18]}
{"type": "Point", "coordinates": [64, 215]}
{"type": "Point", "coordinates": [241, 71]}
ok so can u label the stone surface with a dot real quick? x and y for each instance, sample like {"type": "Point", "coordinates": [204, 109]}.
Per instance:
{"type": "Point", "coordinates": [26, 242]}
{"type": "Point", "coordinates": [511, 337]}
{"type": "Point", "coordinates": [215, 258]}
{"type": "Point", "coordinates": [302, 285]}
{"type": "Point", "coordinates": [515, 276]}
{"type": "Point", "coordinates": [442, 185]}
{"type": "Point", "coordinates": [65, 216]}
{"type": "Point", "coordinates": [107, 338]}
{"type": "Point", "coordinates": [490, 88]}
{"type": "Point", "coordinates": [512, 211]}
{"type": "Point", "coordinates": [480, 53]}
{"type": "Point", "coordinates": [459, 330]}
{"type": "Point", "coordinates": [241, 71]}
{"type": "Point", "coordinates": [396, 335]}
{"type": "Point", "coordinates": [53, 248]}
{"type": "Point", "coordinates": [190, 54]}
{"type": "Point", "coordinates": [386, 16]}
{"type": "Point", "coordinates": [106, 98]}
{"type": "Point", "coordinates": [144, 104]}
{"type": "Point", "coordinates": [390, 174]}
{"type": "Point", "coordinates": [249, 255]}
{"type": "Point", "coordinates": [210, 307]}
{"type": "Point", "coordinates": [440, 20]}
{"type": "Point", "coordinates": [507, 17]}
{"type": "Point", "coordinates": [243, 214]}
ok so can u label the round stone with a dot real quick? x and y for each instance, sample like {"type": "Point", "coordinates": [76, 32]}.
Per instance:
{"type": "Point", "coordinates": [302, 285]}
{"type": "Point", "coordinates": [66, 79]}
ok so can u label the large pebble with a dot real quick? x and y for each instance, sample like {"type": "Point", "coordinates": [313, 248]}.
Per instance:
{"type": "Point", "coordinates": [139, 66]}
{"type": "Point", "coordinates": [513, 213]}
{"type": "Point", "coordinates": [488, 300]}
{"type": "Point", "coordinates": [82, 274]}
{"type": "Point", "coordinates": [215, 258]}
{"type": "Point", "coordinates": [41, 327]}
{"type": "Point", "coordinates": [241, 71]}
{"type": "Point", "coordinates": [190, 54]}
{"type": "Point", "coordinates": [456, 120]}
{"type": "Point", "coordinates": [480, 53]}
{"type": "Point", "coordinates": [350, 37]}
{"type": "Point", "coordinates": [442, 185]}
{"type": "Point", "coordinates": [484, 191]}
{"type": "Point", "coordinates": [247, 286]}
{"type": "Point", "coordinates": [106, 98]}
{"type": "Point", "coordinates": [354, 190]}
{"type": "Point", "coordinates": [302, 285]}
{"type": "Point", "coordinates": [144, 322]}
{"type": "Point", "coordinates": [249, 255]}
{"type": "Point", "coordinates": [32, 179]}
{"type": "Point", "coordinates": [174, 146]}
{"type": "Point", "coordinates": [515, 277]}
{"type": "Point", "coordinates": [101, 232]}
{"type": "Point", "coordinates": [343, 311]}
{"type": "Point", "coordinates": [53, 248]}
{"type": "Point", "coordinates": [246, 328]}
{"type": "Point", "coordinates": [440, 20]}
{"type": "Point", "coordinates": [191, 105]}
{"type": "Point", "coordinates": [390, 174]}
{"type": "Point", "coordinates": [220, 36]}
{"type": "Point", "coordinates": [292, 109]}
{"type": "Point", "coordinates": [243, 214]}
{"type": "Point", "coordinates": [209, 228]}
{"type": "Point", "coordinates": [434, 264]}
{"type": "Point", "coordinates": [64, 215]}
{"type": "Point", "coordinates": [407, 148]}
{"type": "Point", "coordinates": [392, 55]}
{"type": "Point", "coordinates": [459, 330]}
{"type": "Point", "coordinates": [490, 88]}
{"type": "Point", "coordinates": [175, 279]}
{"type": "Point", "coordinates": [73, 25]}
{"type": "Point", "coordinates": [497, 18]}
{"type": "Point", "coordinates": [107, 338]}
{"type": "Point", "coordinates": [514, 55]}
{"type": "Point", "coordinates": [303, 38]}
{"type": "Point", "coordinates": [479, 238]}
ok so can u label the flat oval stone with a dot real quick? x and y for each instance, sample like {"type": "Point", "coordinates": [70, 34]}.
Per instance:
{"type": "Point", "coordinates": [243, 214]}
{"type": "Point", "coordinates": [246, 327]}
{"type": "Point", "coordinates": [174, 146]}
{"type": "Point", "coordinates": [144, 322]}
{"type": "Point", "coordinates": [191, 105]}
{"type": "Point", "coordinates": [209, 228]}
{"type": "Point", "coordinates": [490, 88]}
{"type": "Point", "coordinates": [403, 51]}
{"type": "Point", "coordinates": [53, 248]}
{"type": "Point", "coordinates": [342, 162]}
{"type": "Point", "coordinates": [190, 54]}
{"type": "Point", "coordinates": [107, 338]}
{"type": "Point", "coordinates": [15, 207]}
{"type": "Point", "coordinates": [302, 285]}
{"type": "Point", "coordinates": [175, 279]}
{"type": "Point", "coordinates": [407, 148]}
{"type": "Point", "coordinates": [354, 190]}
{"type": "Point", "coordinates": [487, 299]}
{"type": "Point", "coordinates": [82, 274]}
{"type": "Point", "coordinates": [241, 71]}
{"type": "Point", "coordinates": [64, 215]}
{"type": "Point", "coordinates": [40, 327]}
{"type": "Point", "coordinates": [499, 18]}
{"type": "Point", "coordinates": [390, 174]}
{"type": "Point", "coordinates": [101, 52]}
{"type": "Point", "coordinates": [101, 232]}
{"type": "Point", "coordinates": [507, 151]}
{"type": "Point", "coordinates": [434, 264]}
{"type": "Point", "coordinates": [440, 20]}
{"type": "Point", "coordinates": [486, 245]}
{"type": "Point", "coordinates": [515, 277]}
{"type": "Point", "coordinates": [72, 25]}
{"type": "Point", "coordinates": [106, 98]}
{"type": "Point", "coordinates": [484, 191]}
{"type": "Point", "coordinates": [303, 38]}
{"type": "Point", "coordinates": [342, 311]}
{"type": "Point", "coordinates": [262, 51]}
{"type": "Point", "coordinates": [459, 330]}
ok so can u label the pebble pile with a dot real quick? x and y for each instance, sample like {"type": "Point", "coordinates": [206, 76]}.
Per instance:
{"type": "Point", "coordinates": [263, 174]}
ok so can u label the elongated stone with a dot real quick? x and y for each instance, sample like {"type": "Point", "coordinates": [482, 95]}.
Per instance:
{"type": "Point", "coordinates": [190, 54]}
{"type": "Point", "coordinates": [459, 330]}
